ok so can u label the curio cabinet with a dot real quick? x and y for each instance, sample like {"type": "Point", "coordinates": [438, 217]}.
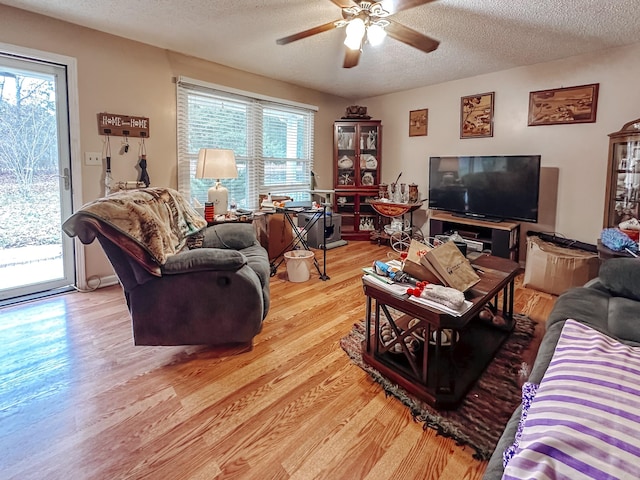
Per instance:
{"type": "Point", "coordinates": [357, 158]}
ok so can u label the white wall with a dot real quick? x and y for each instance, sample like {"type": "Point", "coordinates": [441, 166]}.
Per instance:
{"type": "Point", "coordinates": [121, 76]}
{"type": "Point", "coordinates": [579, 151]}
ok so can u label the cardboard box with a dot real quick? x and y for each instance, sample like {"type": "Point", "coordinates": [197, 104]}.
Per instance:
{"type": "Point", "coordinates": [554, 269]}
{"type": "Point", "coordinates": [279, 235]}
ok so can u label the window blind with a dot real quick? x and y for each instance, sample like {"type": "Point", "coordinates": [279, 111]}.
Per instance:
{"type": "Point", "coordinates": [272, 142]}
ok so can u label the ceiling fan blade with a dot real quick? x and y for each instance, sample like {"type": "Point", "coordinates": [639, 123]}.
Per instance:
{"type": "Point", "coordinates": [411, 37]}
{"type": "Point", "coordinates": [306, 33]}
{"type": "Point", "coordinates": [351, 58]}
{"type": "Point", "coordinates": [395, 6]}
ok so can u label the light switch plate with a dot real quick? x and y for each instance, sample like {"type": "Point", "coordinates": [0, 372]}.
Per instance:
{"type": "Point", "coordinates": [93, 159]}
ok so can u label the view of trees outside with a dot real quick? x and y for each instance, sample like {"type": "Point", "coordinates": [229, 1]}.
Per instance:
{"type": "Point", "coordinates": [283, 143]}
{"type": "Point", "coordinates": [29, 185]}
{"type": "Point", "coordinates": [218, 124]}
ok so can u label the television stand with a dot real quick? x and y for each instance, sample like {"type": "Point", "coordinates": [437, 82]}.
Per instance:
{"type": "Point", "coordinates": [478, 217]}
{"type": "Point", "coordinates": [501, 238]}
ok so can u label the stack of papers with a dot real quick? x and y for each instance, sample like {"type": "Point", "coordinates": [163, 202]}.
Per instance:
{"type": "Point", "coordinates": [438, 306]}
{"type": "Point", "coordinates": [400, 290]}
{"type": "Point", "coordinates": [397, 289]}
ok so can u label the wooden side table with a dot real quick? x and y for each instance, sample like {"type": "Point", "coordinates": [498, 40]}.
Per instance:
{"type": "Point", "coordinates": [238, 219]}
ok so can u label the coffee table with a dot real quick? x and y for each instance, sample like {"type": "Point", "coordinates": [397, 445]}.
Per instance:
{"type": "Point", "coordinates": [440, 374]}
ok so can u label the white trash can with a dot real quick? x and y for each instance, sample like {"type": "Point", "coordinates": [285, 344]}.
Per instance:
{"type": "Point", "coordinates": [298, 264]}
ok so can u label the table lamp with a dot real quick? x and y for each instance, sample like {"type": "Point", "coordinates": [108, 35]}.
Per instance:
{"type": "Point", "coordinates": [217, 163]}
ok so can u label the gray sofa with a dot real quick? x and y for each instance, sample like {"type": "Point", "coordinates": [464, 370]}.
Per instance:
{"type": "Point", "coordinates": [609, 303]}
{"type": "Point", "coordinates": [184, 282]}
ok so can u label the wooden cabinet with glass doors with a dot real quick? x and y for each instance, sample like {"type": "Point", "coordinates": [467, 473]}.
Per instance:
{"type": "Point", "coordinates": [357, 158]}
{"type": "Point", "coordinates": [622, 198]}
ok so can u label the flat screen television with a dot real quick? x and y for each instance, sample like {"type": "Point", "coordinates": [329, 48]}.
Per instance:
{"type": "Point", "coordinates": [488, 187]}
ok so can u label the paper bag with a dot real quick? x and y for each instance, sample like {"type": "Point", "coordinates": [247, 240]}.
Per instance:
{"type": "Point", "coordinates": [453, 267]}
{"type": "Point", "coordinates": [413, 267]}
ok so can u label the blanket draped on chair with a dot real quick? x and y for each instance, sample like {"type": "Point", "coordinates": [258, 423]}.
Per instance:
{"type": "Point", "coordinates": [151, 224]}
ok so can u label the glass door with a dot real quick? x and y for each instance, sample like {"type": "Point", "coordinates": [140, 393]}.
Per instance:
{"type": "Point", "coordinates": [626, 177]}
{"type": "Point", "coordinates": [35, 178]}
{"type": "Point", "coordinates": [622, 196]}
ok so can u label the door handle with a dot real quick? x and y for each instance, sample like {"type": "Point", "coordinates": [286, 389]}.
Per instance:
{"type": "Point", "coordinates": [67, 179]}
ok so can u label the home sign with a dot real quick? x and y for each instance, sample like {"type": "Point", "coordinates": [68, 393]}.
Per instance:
{"type": "Point", "coordinates": [123, 125]}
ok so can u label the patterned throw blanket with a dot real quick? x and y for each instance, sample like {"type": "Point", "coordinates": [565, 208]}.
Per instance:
{"type": "Point", "coordinates": [151, 224]}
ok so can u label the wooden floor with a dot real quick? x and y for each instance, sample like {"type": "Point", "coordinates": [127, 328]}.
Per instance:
{"type": "Point", "coordinates": [79, 401]}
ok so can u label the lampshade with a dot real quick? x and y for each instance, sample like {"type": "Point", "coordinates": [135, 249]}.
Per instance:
{"type": "Point", "coordinates": [217, 163]}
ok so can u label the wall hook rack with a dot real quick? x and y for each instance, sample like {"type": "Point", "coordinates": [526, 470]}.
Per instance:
{"type": "Point", "coordinates": [123, 125]}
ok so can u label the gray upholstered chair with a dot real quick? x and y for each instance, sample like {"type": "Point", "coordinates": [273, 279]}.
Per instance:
{"type": "Point", "coordinates": [184, 282]}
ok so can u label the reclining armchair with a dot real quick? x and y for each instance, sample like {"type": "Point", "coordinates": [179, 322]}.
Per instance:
{"type": "Point", "coordinates": [184, 283]}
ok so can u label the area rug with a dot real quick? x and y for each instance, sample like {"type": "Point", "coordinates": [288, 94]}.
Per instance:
{"type": "Point", "coordinates": [481, 417]}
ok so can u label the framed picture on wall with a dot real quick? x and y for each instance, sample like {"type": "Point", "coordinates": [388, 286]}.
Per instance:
{"type": "Point", "coordinates": [418, 120]}
{"type": "Point", "coordinates": [476, 115]}
{"type": "Point", "coordinates": [564, 105]}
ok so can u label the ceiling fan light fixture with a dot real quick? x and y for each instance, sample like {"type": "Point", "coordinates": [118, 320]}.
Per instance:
{"type": "Point", "coordinates": [375, 34]}
{"type": "Point", "coordinates": [355, 33]}
{"type": "Point", "coordinates": [366, 21]}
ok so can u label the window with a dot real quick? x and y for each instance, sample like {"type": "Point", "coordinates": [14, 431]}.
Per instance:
{"type": "Point", "coordinates": [272, 141]}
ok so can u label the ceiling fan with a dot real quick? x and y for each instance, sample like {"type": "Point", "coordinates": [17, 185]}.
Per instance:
{"type": "Point", "coordinates": [369, 21]}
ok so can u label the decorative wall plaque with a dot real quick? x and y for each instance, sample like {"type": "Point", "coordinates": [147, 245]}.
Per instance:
{"type": "Point", "coordinates": [123, 125]}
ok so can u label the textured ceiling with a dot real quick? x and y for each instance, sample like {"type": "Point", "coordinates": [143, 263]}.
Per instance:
{"type": "Point", "coordinates": [477, 36]}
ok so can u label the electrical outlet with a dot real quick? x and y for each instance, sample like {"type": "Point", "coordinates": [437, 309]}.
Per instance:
{"type": "Point", "coordinates": [93, 159]}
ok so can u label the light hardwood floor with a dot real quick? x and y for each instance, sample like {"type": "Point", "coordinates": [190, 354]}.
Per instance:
{"type": "Point", "coordinates": [79, 401]}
